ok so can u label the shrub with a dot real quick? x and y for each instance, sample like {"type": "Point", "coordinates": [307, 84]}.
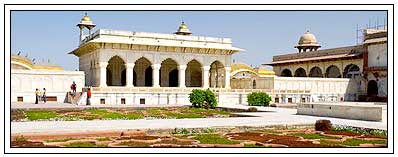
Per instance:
{"type": "Point", "coordinates": [203, 98]}
{"type": "Point", "coordinates": [323, 125]}
{"type": "Point", "coordinates": [258, 99]}
{"type": "Point", "coordinates": [20, 139]}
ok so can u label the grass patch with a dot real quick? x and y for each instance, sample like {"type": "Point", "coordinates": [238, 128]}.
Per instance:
{"type": "Point", "coordinates": [184, 115]}
{"type": "Point", "coordinates": [84, 144]}
{"type": "Point", "coordinates": [132, 116]}
{"type": "Point", "coordinates": [154, 111]}
{"type": "Point", "coordinates": [40, 114]}
{"type": "Point", "coordinates": [213, 139]}
{"type": "Point", "coordinates": [103, 139]}
{"type": "Point", "coordinates": [134, 144]}
{"type": "Point", "coordinates": [313, 136]}
{"type": "Point", "coordinates": [96, 111]}
{"type": "Point", "coordinates": [353, 142]}
{"type": "Point", "coordinates": [61, 140]}
{"type": "Point", "coordinates": [20, 139]}
{"type": "Point", "coordinates": [205, 111]}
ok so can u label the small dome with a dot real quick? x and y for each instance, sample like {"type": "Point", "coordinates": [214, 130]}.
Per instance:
{"type": "Point", "coordinates": [307, 38]}
{"type": "Point", "coordinates": [307, 42]}
{"type": "Point", "coordinates": [86, 18]}
{"type": "Point", "coordinates": [86, 22]}
{"type": "Point", "coordinates": [183, 30]}
{"type": "Point", "coordinates": [263, 71]}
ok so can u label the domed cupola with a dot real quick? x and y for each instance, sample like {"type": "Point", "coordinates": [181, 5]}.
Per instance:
{"type": "Point", "coordinates": [307, 42]}
{"type": "Point", "coordinates": [85, 23]}
{"type": "Point", "coordinates": [183, 29]}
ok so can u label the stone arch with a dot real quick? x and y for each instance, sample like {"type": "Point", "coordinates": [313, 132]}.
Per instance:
{"type": "Point", "coordinates": [142, 72]}
{"type": "Point", "coordinates": [176, 59]}
{"type": "Point", "coordinates": [114, 72]}
{"type": "Point", "coordinates": [316, 72]}
{"type": "Point", "coordinates": [193, 74]}
{"type": "Point", "coordinates": [213, 60]}
{"type": "Point", "coordinates": [333, 72]}
{"type": "Point", "coordinates": [373, 89]}
{"type": "Point", "coordinates": [168, 75]}
{"type": "Point", "coordinates": [300, 72]}
{"type": "Point", "coordinates": [148, 57]}
{"type": "Point", "coordinates": [351, 70]}
{"type": "Point", "coordinates": [108, 56]}
{"type": "Point", "coordinates": [286, 73]}
{"type": "Point", "coordinates": [217, 74]}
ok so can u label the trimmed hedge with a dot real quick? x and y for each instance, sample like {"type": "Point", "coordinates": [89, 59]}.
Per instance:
{"type": "Point", "coordinates": [203, 98]}
{"type": "Point", "coordinates": [258, 99]}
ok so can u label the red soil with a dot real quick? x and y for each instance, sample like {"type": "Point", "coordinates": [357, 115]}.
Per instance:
{"type": "Point", "coordinates": [289, 141]}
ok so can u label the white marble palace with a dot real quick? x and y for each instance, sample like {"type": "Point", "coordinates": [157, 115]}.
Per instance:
{"type": "Point", "coordinates": [141, 59]}
{"type": "Point", "coordinates": [127, 68]}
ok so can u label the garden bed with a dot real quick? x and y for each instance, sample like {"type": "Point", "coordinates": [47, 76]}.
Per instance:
{"type": "Point", "coordinates": [212, 137]}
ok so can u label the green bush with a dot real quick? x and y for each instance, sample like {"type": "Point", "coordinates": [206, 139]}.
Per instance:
{"type": "Point", "coordinates": [258, 99]}
{"type": "Point", "coordinates": [203, 98]}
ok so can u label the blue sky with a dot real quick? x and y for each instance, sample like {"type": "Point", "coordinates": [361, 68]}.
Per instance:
{"type": "Point", "coordinates": [263, 34]}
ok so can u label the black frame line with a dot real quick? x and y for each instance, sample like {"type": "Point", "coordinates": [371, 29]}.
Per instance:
{"type": "Point", "coordinates": [5, 5]}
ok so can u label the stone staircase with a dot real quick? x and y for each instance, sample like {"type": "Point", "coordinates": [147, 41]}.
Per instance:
{"type": "Point", "coordinates": [73, 99]}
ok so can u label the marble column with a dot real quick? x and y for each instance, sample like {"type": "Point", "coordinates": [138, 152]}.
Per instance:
{"type": "Point", "coordinates": [181, 75]}
{"type": "Point", "coordinates": [129, 74]}
{"type": "Point", "coordinates": [103, 66]}
{"type": "Point", "coordinates": [205, 76]}
{"type": "Point", "coordinates": [227, 77]}
{"type": "Point", "coordinates": [155, 77]}
{"type": "Point", "coordinates": [213, 78]}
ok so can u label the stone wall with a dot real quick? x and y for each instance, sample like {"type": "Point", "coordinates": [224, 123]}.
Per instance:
{"type": "Point", "coordinates": [377, 55]}
{"type": "Point", "coordinates": [57, 83]}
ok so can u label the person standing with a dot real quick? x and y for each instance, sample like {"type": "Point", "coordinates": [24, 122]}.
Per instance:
{"type": "Point", "coordinates": [37, 96]}
{"type": "Point", "coordinates": [74, 88]}
{"type": "Point", "coordinates": [44, 95]}
{"type": "Point", "coordinates": [88, 102]}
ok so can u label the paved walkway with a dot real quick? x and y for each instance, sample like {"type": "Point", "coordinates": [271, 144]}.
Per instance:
{"type": "Point", "coordinates": [274, 116]}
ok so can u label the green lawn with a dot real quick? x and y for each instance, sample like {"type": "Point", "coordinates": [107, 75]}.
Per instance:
{"type": "Point", "coordinates": [313, 136]}
{"type": "Point", "coordinates": [61, 140]}
{"type": "Point", "coordinates": [113, 114]}
{"type": "Point", "coordinates": [213, 139]}
{"type": "Point", "coordinates": [353, 142]}
{"type": "Point", "coordinates": [40, 114]}
{"type": "Point", "coordinates": [84, 144]}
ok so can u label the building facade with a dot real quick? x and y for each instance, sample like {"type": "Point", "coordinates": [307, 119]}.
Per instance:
{"type": "Point", "coordinates": [375, 64]}
{"type": "Point", "coordinates": [27, 76]}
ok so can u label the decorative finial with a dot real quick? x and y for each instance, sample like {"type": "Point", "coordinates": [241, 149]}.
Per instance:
{"type": "Point", "coordinates": [19, 53]}
{"type": "Point", "coordinates": [85, 13]}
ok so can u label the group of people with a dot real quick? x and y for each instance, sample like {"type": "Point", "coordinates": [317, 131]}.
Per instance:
{"type": "Point", "coordinates": [40, 95]}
